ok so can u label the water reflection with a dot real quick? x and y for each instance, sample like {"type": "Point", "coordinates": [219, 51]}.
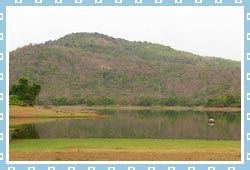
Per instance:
{"type": "Point", "coordinates": [147, 124]}
{"type": "Point", "coordinates": [211, 122]}
{"type": "Point", "coordinates": [25, 132]}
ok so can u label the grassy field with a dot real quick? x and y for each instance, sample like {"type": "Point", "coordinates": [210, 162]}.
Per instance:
{"type": "Point", "coordinates": [123, 150]}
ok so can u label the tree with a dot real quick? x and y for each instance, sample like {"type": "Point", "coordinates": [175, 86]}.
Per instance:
{"type": "Point", "coordinates": [229, 100]}
{"type": "Point", "coordinates": [145, 101]}
{"type": "Point", "coordinates": [225, 101]}
{"type": "Point", "coordinates": [170, 101]}
{"type": "Point", "coordinates": [24, 93]}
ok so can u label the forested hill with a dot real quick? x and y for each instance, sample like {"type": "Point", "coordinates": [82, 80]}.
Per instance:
{"type": "Point", "coordinates": [92, 68]}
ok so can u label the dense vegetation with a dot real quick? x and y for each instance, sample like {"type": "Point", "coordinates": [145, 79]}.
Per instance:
{"type": "Point", "coordinates": [24, 94]}
{"type": "Point", "coordinates": [224, 101]}
{"type": "Point", "coordinates": [95, 69]}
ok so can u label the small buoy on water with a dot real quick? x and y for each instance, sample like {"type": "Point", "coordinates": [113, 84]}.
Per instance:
{"type": "Point", "coordinates": [211, 122]}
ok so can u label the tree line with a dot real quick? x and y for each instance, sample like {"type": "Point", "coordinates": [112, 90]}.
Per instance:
{"type": "Point", "coordinates": [24, 94]}
{"type": "Point", "coordinates": [221, 101]}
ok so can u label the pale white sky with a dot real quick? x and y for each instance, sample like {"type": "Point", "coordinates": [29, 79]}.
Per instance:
{"type": "Point", "coordinates": [208, 31]}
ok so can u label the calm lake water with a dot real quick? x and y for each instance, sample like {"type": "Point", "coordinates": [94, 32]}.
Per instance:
{"type": "Point", "coordinates": [142, 124]}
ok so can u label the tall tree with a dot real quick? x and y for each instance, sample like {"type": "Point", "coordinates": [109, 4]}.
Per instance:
{"type": "Point", "coordinates": [24, 92]}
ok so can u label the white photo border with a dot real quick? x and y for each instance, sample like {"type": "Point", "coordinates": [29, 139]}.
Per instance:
{"type": "Point", "coordinates": [5, 164]}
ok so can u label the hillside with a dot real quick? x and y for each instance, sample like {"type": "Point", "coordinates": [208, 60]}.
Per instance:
{"type": "Point", "coordinates": [84, 68]}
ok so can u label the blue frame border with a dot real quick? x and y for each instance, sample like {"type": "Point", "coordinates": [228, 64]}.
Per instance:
{"type": "Point", "coordinates": [6, 165]}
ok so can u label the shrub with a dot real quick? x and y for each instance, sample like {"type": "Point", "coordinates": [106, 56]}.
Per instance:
{"type": "Point", "coordinates": [225, 101]}
{"type": "Point", "coordinates": [59, 101]}
{"type": "Point", "coordinates": [145, 101]}
{"type": "Point", "coordinates": [105, 101]}
{"type": "Point", "coordinates": [14, 100]}
{"type": "Point", "coordinates": [170, 101]}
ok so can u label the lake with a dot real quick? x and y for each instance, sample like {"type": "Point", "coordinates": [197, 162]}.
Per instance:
{"type": "Point", "coordinates": [150, 124]}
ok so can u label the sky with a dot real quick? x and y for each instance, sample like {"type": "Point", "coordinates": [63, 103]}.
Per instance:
{"type": "Point", "coordinates": [207, 31]}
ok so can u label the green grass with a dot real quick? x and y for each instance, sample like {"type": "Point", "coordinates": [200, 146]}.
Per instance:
{"type": "Point", "coordinates": [122, 144]}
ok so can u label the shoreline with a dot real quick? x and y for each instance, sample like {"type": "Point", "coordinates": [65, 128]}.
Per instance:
{"type": "Point", "coordinates": [26, 115]}
{"type": "Point", "coordinates": [174, 108]}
